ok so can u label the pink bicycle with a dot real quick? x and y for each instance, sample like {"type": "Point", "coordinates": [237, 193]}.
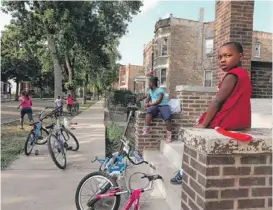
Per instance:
{"type": "Point", "coordinates": [115, 192]}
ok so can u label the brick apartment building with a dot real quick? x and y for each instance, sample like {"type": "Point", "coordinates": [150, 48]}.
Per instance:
{"type": "Point", "coordinates": [182, 53]}
{"type": "Point", "coordinates": [127, 75]}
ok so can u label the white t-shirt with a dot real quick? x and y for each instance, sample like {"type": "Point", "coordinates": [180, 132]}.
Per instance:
{"type": "Point", "coordinates": [58, 102]}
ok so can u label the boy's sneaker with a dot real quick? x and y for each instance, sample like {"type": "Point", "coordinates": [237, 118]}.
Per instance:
{"type": "Point", "coordinates": [177, 179]}
{"type": "Point", "coordinates": [146, 130]}
{"type": "Point", "coordinates": [169, 137]}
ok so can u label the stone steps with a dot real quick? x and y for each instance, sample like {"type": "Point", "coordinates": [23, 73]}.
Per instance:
{"type": "Point", "coordinates": [167, 162]}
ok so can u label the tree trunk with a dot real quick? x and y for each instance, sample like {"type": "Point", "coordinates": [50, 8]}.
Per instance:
{"type": "Point", "coordinates": [70, 75]}
{"type": "Point", "coordinates": [41, 93]}
{"type": "Point", "coordinates": [57, 67]}
{"type": "Point", "coordinates": [17, 90]}
{"type": "Point", "coordinates": [98, 95]}
{"type": "Point", "coordinates": [94, 93]}
{"type": "Point", "coordinates": [85, 89]}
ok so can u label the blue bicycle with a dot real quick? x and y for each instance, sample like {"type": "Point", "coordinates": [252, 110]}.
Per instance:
{"type": "Point", "coordinates": [35, 136]}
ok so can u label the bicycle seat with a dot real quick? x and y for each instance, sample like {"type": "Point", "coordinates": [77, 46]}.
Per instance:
{"type": "Point", "coordinates": [34, 123]}
{"type": "Point", "coordinates": [50, 126]}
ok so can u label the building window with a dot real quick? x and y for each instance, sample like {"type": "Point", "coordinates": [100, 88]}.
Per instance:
{"type": "Point", "coordinates": [257, 49]}
{"type": "Point", "coordinates": [163, 77]}
{"type": "Point", "coordinates": [208, 79]}
{"type": "Point", "coordinates": [164, 47]}
{"type": "Point", "coordinates": [209, 47]}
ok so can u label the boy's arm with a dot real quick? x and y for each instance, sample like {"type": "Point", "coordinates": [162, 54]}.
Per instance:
{"type": "Point", "coordinates": [224, 92]}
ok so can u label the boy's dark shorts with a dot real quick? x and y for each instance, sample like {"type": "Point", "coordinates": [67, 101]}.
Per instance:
{"type": "Point", "coordinates": [163, 110]}
{"type": "Point", "coordinates": [27, 111]}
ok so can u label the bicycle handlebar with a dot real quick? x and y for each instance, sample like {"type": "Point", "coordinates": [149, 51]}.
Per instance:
{"type": "Point", "coordinates": [134, 163]}
{"type": "Point", "coordinates": [151, 177]}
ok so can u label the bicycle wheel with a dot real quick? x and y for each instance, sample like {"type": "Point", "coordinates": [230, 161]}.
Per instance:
{"type": "Point", "coordinates": [40, 139]}
{"type": "Point", "coordinates": [66, 134]}
{"type": "Point", "coordinates": [103, 187]}
{"type": "Point", "coordinates": [29, 144]}
{"type": "Point", "coordinates": [55, 147]}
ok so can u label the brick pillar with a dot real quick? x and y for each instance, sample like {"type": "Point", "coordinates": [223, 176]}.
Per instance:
{"type": "Point", "coordinates": [195, 100]}
{"type": "Point", "coordinates": [220, 173]}
{"type": "Point", "coordinates": [233, 22]}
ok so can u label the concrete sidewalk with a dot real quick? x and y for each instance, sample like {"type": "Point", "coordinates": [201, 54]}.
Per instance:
{"type": "Point", "coordinates": [34, 182]}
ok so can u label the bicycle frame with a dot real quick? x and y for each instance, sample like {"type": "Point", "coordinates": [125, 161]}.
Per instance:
{"type": "Point", "coordinates": [36, 130]}
{"type": "Point", "coordinates": [132, 200]}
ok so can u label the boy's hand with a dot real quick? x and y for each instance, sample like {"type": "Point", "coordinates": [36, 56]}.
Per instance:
{"type": "Point", "coordinates": [200, 126]}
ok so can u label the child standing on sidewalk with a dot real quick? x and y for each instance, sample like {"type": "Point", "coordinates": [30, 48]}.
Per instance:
{"type": "Point", "coordinates": [230, 109]}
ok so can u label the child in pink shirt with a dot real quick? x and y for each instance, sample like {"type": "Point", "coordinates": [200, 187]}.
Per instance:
{"type": "Point", "coordinates": [25, 106]}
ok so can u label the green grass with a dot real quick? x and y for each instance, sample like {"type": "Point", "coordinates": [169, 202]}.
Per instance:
{"type": "Point", "coordinates": [13, 140]}
{"type": "Point", "coordinates": [87, 105]}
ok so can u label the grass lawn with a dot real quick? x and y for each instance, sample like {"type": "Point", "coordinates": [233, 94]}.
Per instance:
{"type": "Point", "coordinates": [13, 138]}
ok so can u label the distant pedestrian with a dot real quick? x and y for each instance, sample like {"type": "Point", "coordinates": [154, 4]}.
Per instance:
{"type": "Point", "coordinates": [59, 105]}
{"type": "Point", "coordinates": [25, 106]}
{"type": "Point", "coordinates": [69, 103]}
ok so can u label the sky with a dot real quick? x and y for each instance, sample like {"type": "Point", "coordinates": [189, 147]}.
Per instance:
{"type": "Point", "coordinates": [141, 29]}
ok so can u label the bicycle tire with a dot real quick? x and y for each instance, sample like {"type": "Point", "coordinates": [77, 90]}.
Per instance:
{"type": "Point", "coordinates": [52, 153]}
{"type": "Point", "coordinates": [106, 176]}
{"type": "Point", "coordinates": [42, 142]}
{"type": "Point", "coordinates": [26, 143]}
{"type": "Point", "coordinates": [74, 137]}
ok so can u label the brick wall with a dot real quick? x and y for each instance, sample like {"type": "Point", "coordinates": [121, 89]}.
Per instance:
{"type": "Point", "coordinates": [265, 40]}
{"type": "Point", "coordinates": [182, 58]}
{"type": "Point", "coordinates": [261, 79]}
{"type": "Point", "coordinates": [194, 101]}
{"type": "Point", "coordinates": [157, 134]}
{"type": "Point", "coordinates": [219, 173]}
{"type": "Point", "coordinates": [233, 22]}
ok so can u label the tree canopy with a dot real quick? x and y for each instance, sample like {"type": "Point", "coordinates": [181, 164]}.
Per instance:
{"type": "Point", "coordinates": [73, 41]}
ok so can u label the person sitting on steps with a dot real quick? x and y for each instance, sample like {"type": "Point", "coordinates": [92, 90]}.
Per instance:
{"type": "Point", "coordinates": [157, 102]}
{"type": "Point", "coordinates": [230, 109]}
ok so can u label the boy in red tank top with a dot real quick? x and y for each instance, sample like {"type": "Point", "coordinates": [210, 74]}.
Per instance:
{"type": "Point", "coordinates": [230, 109]}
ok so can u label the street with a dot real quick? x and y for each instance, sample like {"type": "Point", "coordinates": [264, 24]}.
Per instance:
{"type": "Point", "coordinates": [9, 111]}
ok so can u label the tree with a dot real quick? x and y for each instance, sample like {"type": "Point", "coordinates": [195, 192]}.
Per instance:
{"type": "Point", "coordinates": [17, 62]}
{"type": "Point", "coordinates": [70, 29]}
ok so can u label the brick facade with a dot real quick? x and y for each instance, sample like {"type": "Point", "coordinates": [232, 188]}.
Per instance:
{"type": "Point", "coordinates": [233, 22]}
{"type": "Point", "coordinates": [229, 175]}
{"type": "Point", "coordinates": [261, 79]}
{"type": "Point", "coordinates": [188, 62]}
{"type": "Point", "coordinates": [194, 102]}
{"type": "Point", "coordinates": [127, 75]}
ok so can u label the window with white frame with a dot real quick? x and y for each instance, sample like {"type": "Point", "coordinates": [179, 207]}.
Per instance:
{"type": "Point", "coordinates": [257, 49]}
{"type": "Point", "coordinates": [209, 47]}
{"type": "Point", "coordinates": [164, 47]}
{"type": "Point", "coordinates": [208, 78]}
{"type": "Point", "coordinates": [163, 77]}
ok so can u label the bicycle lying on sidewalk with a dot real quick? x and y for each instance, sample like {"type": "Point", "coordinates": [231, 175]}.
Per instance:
{"type": "Point", "coordinates": [102, 194]}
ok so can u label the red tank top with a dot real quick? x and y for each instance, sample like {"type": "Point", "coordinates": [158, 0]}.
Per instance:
{"type": "Point", "coordinates": [235, 113]}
